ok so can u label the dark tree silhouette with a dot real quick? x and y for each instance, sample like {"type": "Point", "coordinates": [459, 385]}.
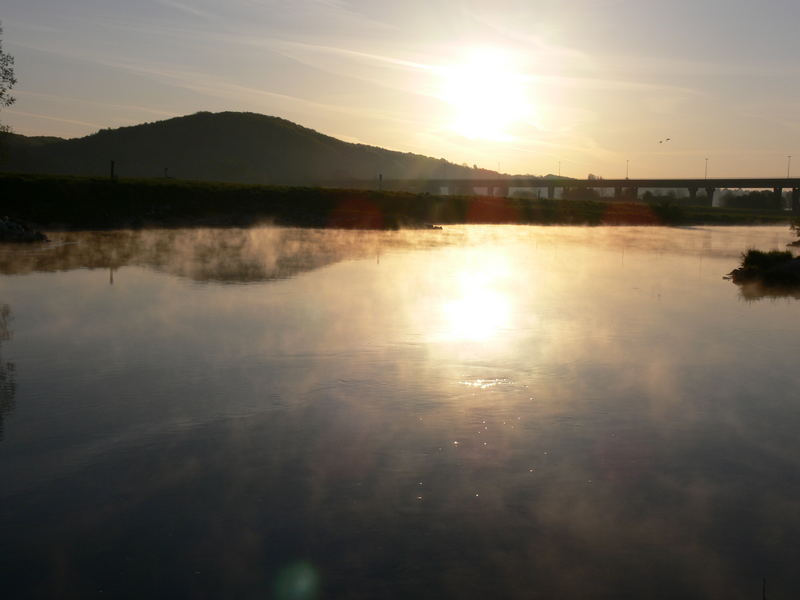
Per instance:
{"type": "Point", "coordinates": [7, 79]}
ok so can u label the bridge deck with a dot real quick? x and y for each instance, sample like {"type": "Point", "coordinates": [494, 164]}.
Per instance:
{"type": "Point", "coordinates": [534, 182]}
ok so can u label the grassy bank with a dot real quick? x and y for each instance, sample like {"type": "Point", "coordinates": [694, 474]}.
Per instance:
{"type": "Point", "coordinates": [61, 202]}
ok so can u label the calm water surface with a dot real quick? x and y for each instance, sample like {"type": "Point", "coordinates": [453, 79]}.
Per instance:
{"type": "Point", "coordinates": [479, 412]}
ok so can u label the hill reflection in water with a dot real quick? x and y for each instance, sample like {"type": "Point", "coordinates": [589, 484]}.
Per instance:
{"type": "Point", "coordinates": [480, 412]}
{"type": "Point", "coordinates": [268, 253]}
{"type": "Point", "coordinates": [209, 255]}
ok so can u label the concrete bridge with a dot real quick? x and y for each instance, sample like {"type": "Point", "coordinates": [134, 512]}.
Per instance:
{"type": "Point", "coordinates": [623, 188]}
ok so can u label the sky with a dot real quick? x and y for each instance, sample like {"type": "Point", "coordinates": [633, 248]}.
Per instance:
{"type": "Point", "coordinates": [531, 87]}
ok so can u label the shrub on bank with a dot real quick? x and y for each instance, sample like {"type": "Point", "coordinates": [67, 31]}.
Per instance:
{"type": "Point", "coordinates": [773, 268]}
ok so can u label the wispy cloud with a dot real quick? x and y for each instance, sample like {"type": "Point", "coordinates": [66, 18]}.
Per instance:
{"type": "Point", "coordinates": [309, 54]}
{"type": "Point", "coordinates": [599, 83]}
{"type": "Point", "coordinates": [187, 9]}
{"type": "Point", "coordinates": [340, 4]}
{"type": "Point", "coordinates": [52, 118]}
{"type": "Point", "coordinates": [209, 85]}
{"type": "Point", "coordinates": [358, 55]}
{"type": "Point", "coordinates": [332, 19]}
{"type": "Point", "coordinates": [84, 101]}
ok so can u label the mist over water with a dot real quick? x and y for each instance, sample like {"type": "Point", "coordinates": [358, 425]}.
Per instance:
{"type": "Point", "coordinates": [478, 412]}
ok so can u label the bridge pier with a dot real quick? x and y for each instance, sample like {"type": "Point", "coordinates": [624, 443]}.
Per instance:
{"type": "Point", "coordinates": [710, 195]}
{"type": "Point", "coordinates": [796, 201]}
{"type": "Point", "coordinates": [778, 192]}
{"type": "Point", "coordinates": [625, 193]}
{"type": "Point", "coordinates": [692, 195]}
{"type": "Point", "coordinates": [551, 192]}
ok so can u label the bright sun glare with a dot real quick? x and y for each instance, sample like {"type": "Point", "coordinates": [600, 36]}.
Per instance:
{"type": "Point", "coordinates": [487, 93]}
{"type": "Point", "coordinates": [477, 316]}
{"type": "Point", "coordinates": [479, 309]}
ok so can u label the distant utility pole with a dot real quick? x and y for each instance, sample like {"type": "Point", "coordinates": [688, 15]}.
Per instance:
{"type": "Point", "coordinates": [788, 166]}
{"type": "Point", "coordinates": [705, 175]}
{"type": "Point", "coordinates": [380, 182]}
{"type": "Point", "coordinates": [627, 168]}
{"type": "Point", "coordinates": [559, 168]}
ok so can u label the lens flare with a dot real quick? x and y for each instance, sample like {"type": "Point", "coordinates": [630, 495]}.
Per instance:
{"type": "Point", "coordinates": [298, 581]}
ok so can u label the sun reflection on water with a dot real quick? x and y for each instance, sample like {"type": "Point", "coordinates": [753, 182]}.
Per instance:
{"type": "Point", "coordinates": [477, 316]}
{"type": "Point", "coordinates": [485, 383]}
{"type": "Point", "coordinates": [480, 307]}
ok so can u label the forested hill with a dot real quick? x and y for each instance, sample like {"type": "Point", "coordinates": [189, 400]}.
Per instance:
{"type": "Point", "coordinates": [228, 146]}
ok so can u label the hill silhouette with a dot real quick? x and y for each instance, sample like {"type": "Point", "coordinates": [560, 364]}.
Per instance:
{"type": "Point", "coordinates": [228, 146]}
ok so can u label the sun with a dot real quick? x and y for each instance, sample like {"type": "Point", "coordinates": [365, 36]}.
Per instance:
{"type": "Point", "coordinates": [487, 94]}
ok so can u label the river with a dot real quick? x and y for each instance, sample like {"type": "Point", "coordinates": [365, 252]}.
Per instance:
{"type": "Point", "coordinates": [476, 412]}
